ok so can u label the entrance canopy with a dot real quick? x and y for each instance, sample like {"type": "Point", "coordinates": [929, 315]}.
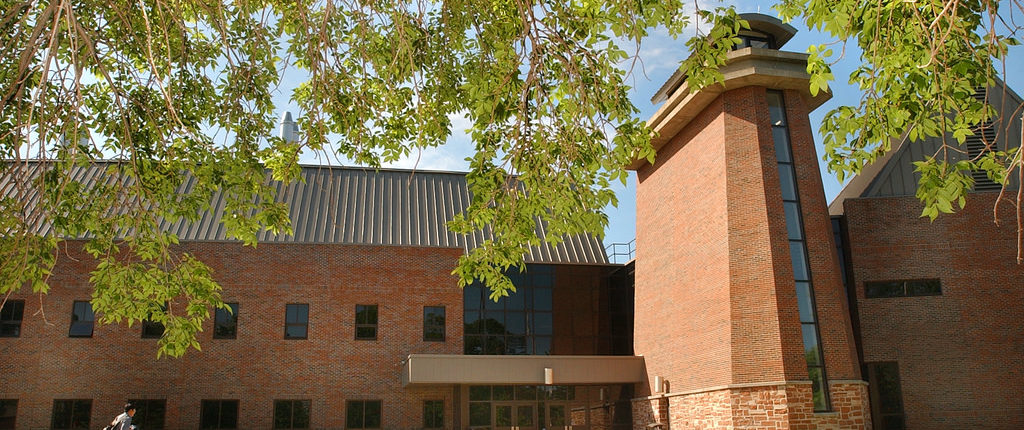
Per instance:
{"type": "Point", "coordinates": [423, 369]}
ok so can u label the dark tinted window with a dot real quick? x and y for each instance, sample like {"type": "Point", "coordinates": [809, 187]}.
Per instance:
{"type": "Point", "coordinates": [10, 318]}
{"type": "Point", "coordinates": [480, 414]}
{"type": "Point", "coordinates": [296, 321]}
{"type": "Point", "coordinates": [71, 414]}
{"type": "Point", "coordinates": [81, 320]}
{"type": "Point", "coordinates": [219, 414]}
{"type": "Point", "coordinates": [902, 288]}
{"type": "Point", "coordinates": [225, 325]}
{"type": "Point", "coordinates": [433, 323]}
{"type": "Point", "coordinates": [924, 287]}
{"type": "Point", "coordinates": [433, 414]}
{"type": "Point", "coordinates": [149, 413]}
{"type": "Point", "coordinates": [153, 329]}
{"type": "Point", "coordinates": [291, 414]}
{"type": "Point", "coordinates": [8, 413]}
{"type": "Point", "coordinates": [753, 39]}
{"type": "Point", "coordinates": [480, 392]}
{"type": "Point", "coordinates": [884, 289]}
{"type": "Point", "coordinates": [886, 395]}
{"type": "Point", "coordinates": [519, 324]}
{"type": "Point", "coordinates": [366, 322]}
{"type": "Point", "coordinates": [363, 414]}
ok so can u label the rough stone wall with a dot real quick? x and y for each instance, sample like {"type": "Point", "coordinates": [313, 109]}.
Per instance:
{"type": "Point", "coordinates": [650, 412]}
{"type": "Point", "coordinates": [260, 366]}
{"type": "Point", "coordinates": [959, 354]}
{"type": "Point", "coordinates": [786, 406]}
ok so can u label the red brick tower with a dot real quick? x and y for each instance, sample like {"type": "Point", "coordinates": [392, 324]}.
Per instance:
{"type": "Point", "coordinates": [741, 314]}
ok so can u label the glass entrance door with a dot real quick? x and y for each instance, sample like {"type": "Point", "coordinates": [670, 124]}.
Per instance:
{"type": "Point", "coordinates": [553, 416]}
{"type": "Point", "coordinates": [515, 416]}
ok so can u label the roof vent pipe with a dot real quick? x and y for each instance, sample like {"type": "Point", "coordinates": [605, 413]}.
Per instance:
{"type": "Point", "coordinates": [289, 130]}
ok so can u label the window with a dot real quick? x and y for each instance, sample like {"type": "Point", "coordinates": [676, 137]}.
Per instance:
{"type": "Point", "coordinates": [483, 399]}
{"type": "Point", "coordinates": [153, 329]}
{"type": "Point", "coordinates": [10, 318]}
{"type": "Point", "coordinates": [433, 323]}
{"type": "Point", "coordinates": [754, 39]}
{"type": "Point", "coordinates": [433, 414]}
{"type": "Point", "coordinates": [81, 319]}
{"type": "Point", "coordinates": [149, 413]}
{"type": "Point", "coordinates": [71, 414]}
{"type": "Point", "coordinates": [902, 288]}
{"type": "Point", "coordinates": [291, 414]}
{"type": "Point", "coordinates": [363, 414]}
{"type": "Point", "coordinates": [8, 412]}
{"type": "Point", "coordinates": [886, 396]}
{"type": "Point", "coordinates": [225, 323]}
{"type": "Point", "coordinates": [519, 324]}
{"type": "Point", "coordinates": [366, 322]}
{"type": "Point", "coordinates": [219, 414]}
{"type": "Point", "coordinates": [296, 321]}
{"type": "Point", "coordinates": [790, 197]}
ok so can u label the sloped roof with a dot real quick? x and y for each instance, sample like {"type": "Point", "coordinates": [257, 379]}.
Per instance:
{"type": "Point", "coordinates": [346, 205]}
{"type": "Point", "coordinates": [893, 174]}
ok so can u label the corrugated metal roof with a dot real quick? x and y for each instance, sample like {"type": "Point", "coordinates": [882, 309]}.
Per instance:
{"type": "Point", "coordinates": [348, 205]}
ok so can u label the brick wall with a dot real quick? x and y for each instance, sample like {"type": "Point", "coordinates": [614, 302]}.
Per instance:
{"type": "Point", "coordinates": [715, 297]}
{"type": "Point", "coordinates": [960, 354]}
{"type": "Point", "coordinates": [766, 343]}
{"type": "Point", "coordinates": [682, 324]}
{"type": "Point", "coordinates": [260, 366]}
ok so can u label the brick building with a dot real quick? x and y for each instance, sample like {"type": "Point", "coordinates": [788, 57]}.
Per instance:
{"type": "Point", "coordinates": [751, 303]}
{"type": "Point", "coordinates": [937, 305]}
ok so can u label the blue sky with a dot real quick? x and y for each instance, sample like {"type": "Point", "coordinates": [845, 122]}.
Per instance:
{"type": "Point", "coordinates": [660, 55]}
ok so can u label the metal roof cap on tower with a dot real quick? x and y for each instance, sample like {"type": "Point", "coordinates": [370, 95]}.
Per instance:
{"type": "Point", "coordinates": [781, 31]}
{"type": "Point", "coordinates": [747, 66]}
{"type": "Point", "coordinates": [768, 25]}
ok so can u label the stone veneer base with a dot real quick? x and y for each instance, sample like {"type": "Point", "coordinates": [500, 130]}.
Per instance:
{"type": "Point", "coordinates": [784, 405]}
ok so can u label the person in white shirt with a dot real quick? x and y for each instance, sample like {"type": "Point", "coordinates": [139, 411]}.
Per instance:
{"type": "Point", "coordinates": [124, 421]}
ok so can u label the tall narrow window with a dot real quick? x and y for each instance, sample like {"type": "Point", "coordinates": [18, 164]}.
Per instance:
{"type": "Point", "coordinates": [291, 414]}
{"type": "Point", "coordinates": [71, 414]}
{"type": "Point", "coordinates": [363, 414]}
{"type": "Point", "coordinates": [219, 414]}
{"type": "Point", "coordinates": [433, 323]}
{"type": "Point", "coordinates": [225, 324]}
{"type": "Point", "coordinates": [10, 318]}
{"type": "Point", "coordinates": [433, 414]}
{"type": "Point", "coordinates": [81, 320]}
{"type": "Point", "coordinates": [149, 413]}
{"type": "Point", "coordinates": [8, 413]}
{"type": "Point", "coordinates": [296, 321]}
{"type": "Point", "coordinates": [886, 396]}
{"type": "Point", "coordinates": [366, 322]}
{"type": "Point", "coordinates": [813, 353]}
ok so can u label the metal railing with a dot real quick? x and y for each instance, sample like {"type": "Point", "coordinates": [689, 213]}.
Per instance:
{"type": "Point", "coordinates": [621, 253]}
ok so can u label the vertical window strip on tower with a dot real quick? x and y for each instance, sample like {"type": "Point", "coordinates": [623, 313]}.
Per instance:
{"type": "Point", "coordinates": [798, 252]}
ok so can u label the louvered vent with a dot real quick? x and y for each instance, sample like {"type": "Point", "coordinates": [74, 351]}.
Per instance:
{"type": "Point", "coordinates": [980, 93]}
{"type": "Point", "coordinates": [983, 140]}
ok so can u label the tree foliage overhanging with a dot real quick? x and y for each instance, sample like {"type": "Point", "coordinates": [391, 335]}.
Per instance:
{"type": "Point", "coordinates": [154, 91]}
